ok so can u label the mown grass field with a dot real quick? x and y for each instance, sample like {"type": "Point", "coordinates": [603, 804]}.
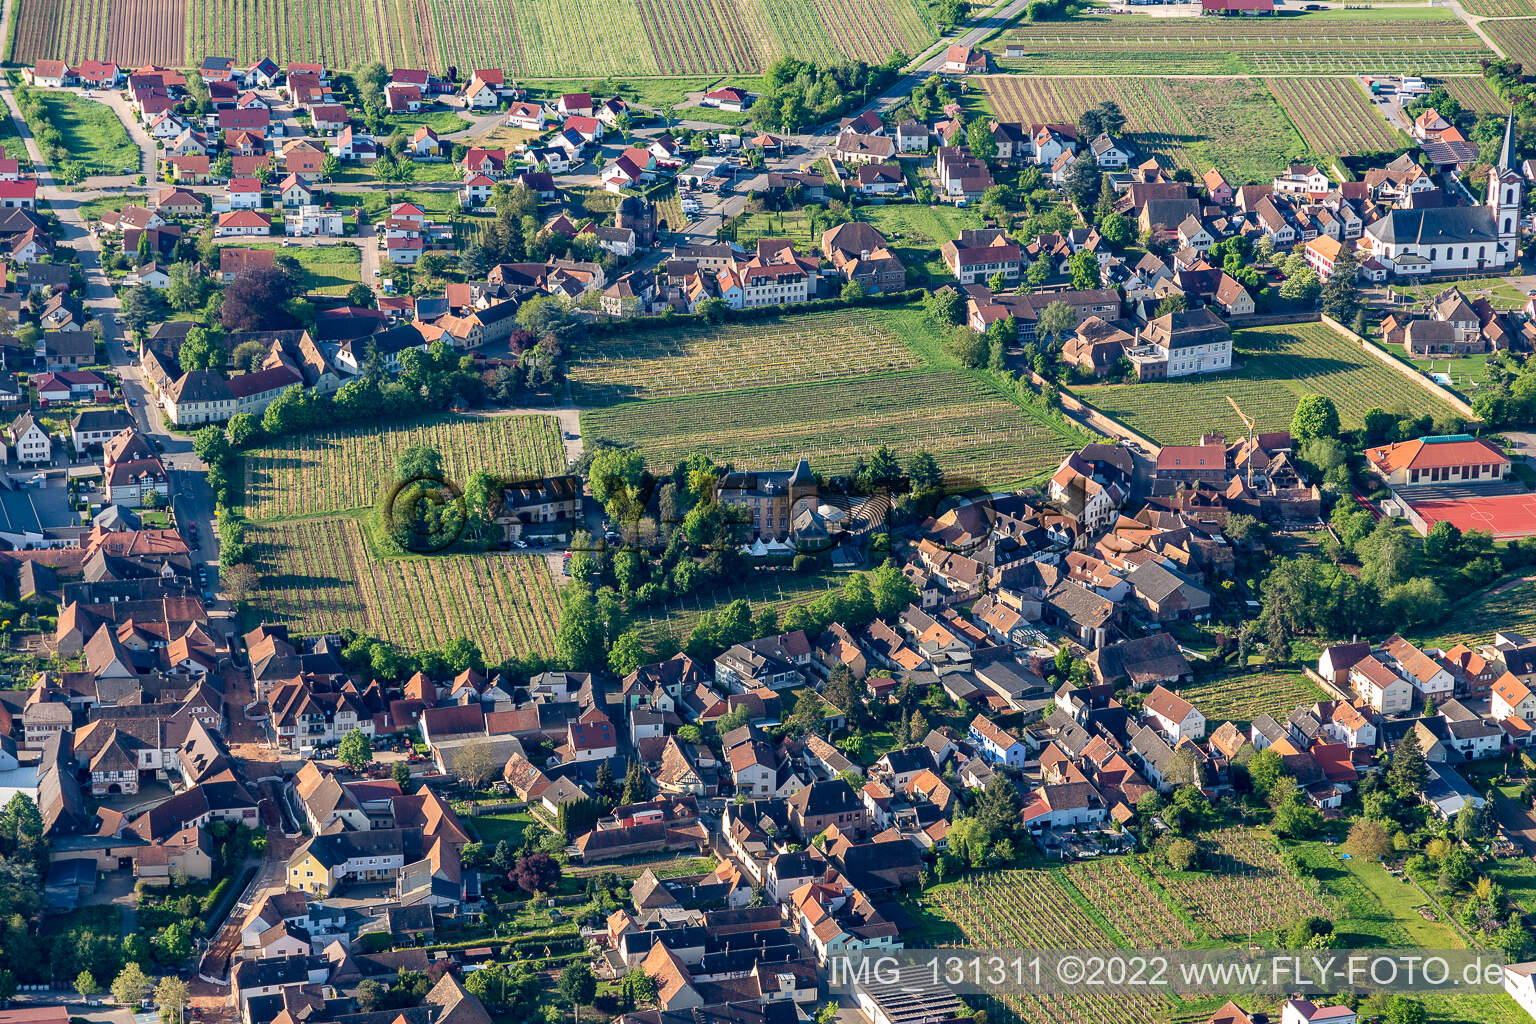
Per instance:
{"type": "Point", "coordinates": [94, 137]}
{"type": "Point", "coordinates": [331, 471]}
{"type": "Point", "coordinates": [1338, 42]}
{"type": "Point", "coordinates": [318, 575]}
{"type": "Point", "coordinates": [1277, 366]}
{"type": "Point", "coordinates": [328, 269]}
{"type": "Point", "coordinates": [1198, 124]}
{"type": "Point", "coordinates": [915, 234]}
{"type": "Point", "coordinates": [1242, 697]}
{"type": "Point", "coordinates": [972, 430]}
{"type": "Point", "coordinates": [672, 361]}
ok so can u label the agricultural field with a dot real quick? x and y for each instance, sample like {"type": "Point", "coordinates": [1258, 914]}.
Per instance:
{"type": "Point", "coordinates": [1230, 124]}
{"type": "Point", "coordinates": [1334, 115]}
{"type": "Point", "coordinates": [1246, 891]}
{"type": "Point", "coordinates": [1242, 697]}
{"type": "Point", "coordinates": [1474, 94]}
{"type": "Point", "coordinates": [1508, 605]}
{"type": "Point", "coordinates": [675, 361]}
{"type": "Point", "coordinates": [1500, 8]}
{"type": "Point", "coordinates": [535, 38]}
{"type": "Point", "coordinates": [1516, 37]}
{"type": "Point", "coordinates": [131, 32]}
{"type": "Point", "coordinates": [1127, 897]}
{"type": "Point", "coordinates": [331, 471]}
{"type": "Point", "coordinates": [287, 30]}
{"type": "Point", "coordinates": [319, 576]}
{"type": "Point", "coordinates": [1328, 43]}
{"type": "Point", "coordinates": [1026, 909]}
{"type": "Point", "coordinates": [973, 431]}
{"type": "Point", "coordinates": [1277, 366]}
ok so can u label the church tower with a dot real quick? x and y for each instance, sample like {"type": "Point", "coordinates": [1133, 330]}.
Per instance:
{"type": "Point", "coordinates": [1505, 190]}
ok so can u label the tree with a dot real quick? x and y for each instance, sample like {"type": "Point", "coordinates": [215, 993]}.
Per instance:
{"type": "Point", "coordinates": [1085, 270]}
{"type": "Point", "coordinates": [978, 136]}
{"type": "Point", "coordinates": [85, 984]}
{"type": "Point", "coordinates": [1403, 1010]}
{"type": "Point", "coordinates": [853, 291]}
{"type": "Point", "coordinates": [636, 784]}
{"type": "Point", "coordinates": [1475, 823]}
{"type": "Point", "coordinates": [1341, 299]}
{"type": "Point", "coordinates": [943, 308]}
{"type": "Point", "coordinates": [577, 985]}
{"type": "Point", "coordinates": [361, 295]}
{"type": "Point", "coordinates": [1057, 320]}
{"type": "Point", "coordinates": [256, 300]}
{"type": "Point", "coordinates": [238, 580]}
{"type": "Point", "coordinates": [1408, 772]}
{"type": "Point", "coordinates": [1368, 839]}
{"type": "Point", "coordinates": [401, 773]}
{"type": "Point", "coordinates": [141, 306]}
{"type": "Point", "coordinates": [131, 985]}
{"type": "Point", "coordinates": [1116, 229]}
{"type": "Point", "coordinates": [1174, 302]}
{"type": "Point", "coordinates": [537, 872]}
{"type": "Point", "coordinates": [636, 988]}
{"type": "Point", "coordinates": [355, 751]}
{"type": "Point", "coordinates": [627, 654]}
{"type": "Point", "coordinates": [476, 762]}
{"type": "Point", "coordinates": [203, 349]}
{"type": "Point", "coordinates": [1316, 417]}
{"type": "Point", "coordinates": [171, 995]}
{"type": "Point", "coordinates": [1301, 286]}
{"type": "Point", "coordinates": [1264, 770]}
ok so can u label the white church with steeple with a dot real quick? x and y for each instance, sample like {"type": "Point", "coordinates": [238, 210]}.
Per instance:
{"type": "Point", "coordinates": [1454, 239]}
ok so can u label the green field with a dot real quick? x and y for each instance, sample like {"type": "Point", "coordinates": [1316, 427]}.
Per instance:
{"type": "Point", "coordinates": [1337, 42]}
{"type": "Point", "coordinates": [916, 233]}
{"type": "Point", "coordinates": [764, 589]}
{"type": "Point", "coordinates": [93, 136]}
{"type": "Point", "coordinates": [328, 269]}
{"type": "Point", "coordinates": [1242, 697]}
{"type": "Point", "coordinates": [332, 471]}
{"type": "Point", "coordinates": [1197, 124]}
{"type": "Point", "coordinates": [1277, 366]}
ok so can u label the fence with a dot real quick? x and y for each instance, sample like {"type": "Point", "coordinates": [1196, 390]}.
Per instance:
{"type": "Point", "coordinates": [1106, 425]}
{"type": "Point", "coordinates": [1329, 688]}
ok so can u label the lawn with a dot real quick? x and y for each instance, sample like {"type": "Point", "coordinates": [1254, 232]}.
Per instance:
{"type": "Point", "coordinates": [331, 471]}
{"type": "Point", "coordinates": [328, 269]}
{"type": "Point", "coordinates": [1242, 697]}
{"type": "Point", "coordinates": [422, 172]}
{"type": "Point", "coordinates": [93, 136]}
{"type": "Point", "coordinates": [1196, 124]}
{"type": "Point", "coordinates": [438, 205]}
{"type": "Point", "coordinates": [916, 233]}
{"type": "Point", "coordinates": [507, 827]}
{"type": "Point", "coordinates": [444, 122]}
{"type": "Point", "coordinates": [1276, 366]}
{"type": "Point", "coordinates": [319, 575]}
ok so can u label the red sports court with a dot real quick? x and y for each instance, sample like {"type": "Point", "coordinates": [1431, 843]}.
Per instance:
{"type": "Point", "coordinates": [1506, 516]}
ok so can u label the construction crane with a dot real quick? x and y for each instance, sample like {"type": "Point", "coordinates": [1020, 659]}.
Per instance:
{"type": "Point", "coordinates": [1249, 424]}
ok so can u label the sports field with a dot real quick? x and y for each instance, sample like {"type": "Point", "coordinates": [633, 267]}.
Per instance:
{"type": "Point", "coordinates": [319, 576]}
{"type": "Point", "coordinates": [1197, 124]}
{"type": "Point", "coordinates": [330, 471]}
{"type": "Point", "coordinates": [1338, 42]}
{"type": "Point", "coordinates": [1277, 366]}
